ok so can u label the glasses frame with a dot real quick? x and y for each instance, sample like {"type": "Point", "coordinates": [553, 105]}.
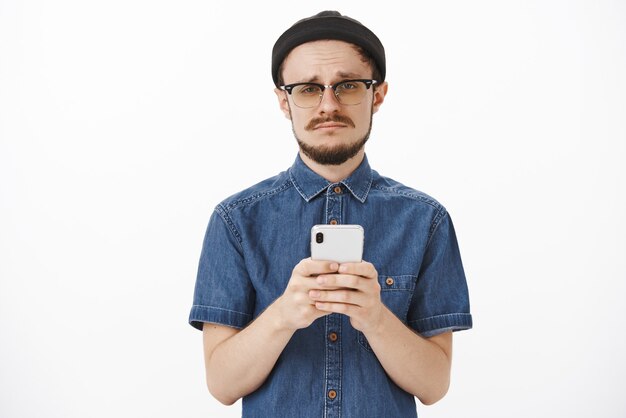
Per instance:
{"type": "Point", "coordinates": [289, 88]}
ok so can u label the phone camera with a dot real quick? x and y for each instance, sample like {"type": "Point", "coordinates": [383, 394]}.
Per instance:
{"type": "Point", "coordinates": [319, 237]}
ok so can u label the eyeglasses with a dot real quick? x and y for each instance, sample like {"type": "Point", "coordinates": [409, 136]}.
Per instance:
{"type": "Point", "coordinates": [347, 92]}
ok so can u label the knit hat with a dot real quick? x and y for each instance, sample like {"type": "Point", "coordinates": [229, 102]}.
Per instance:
{"type": "Point", "coordinates": [328, 25]}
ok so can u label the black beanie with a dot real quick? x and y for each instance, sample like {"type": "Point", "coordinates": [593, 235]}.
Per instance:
{"type": "Point", "coordinates": [328, 25]}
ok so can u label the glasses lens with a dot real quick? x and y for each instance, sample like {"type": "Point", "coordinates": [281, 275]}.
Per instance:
{"type": "Point", "coordinates": [351, 92]}
{"type": "Point", "coordinates": [306, 95]}
{"type": "Point", "coordinates": [347, 93]}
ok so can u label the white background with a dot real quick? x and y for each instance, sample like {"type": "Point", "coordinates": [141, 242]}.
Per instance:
{"type": "Point", "coordinates": [123, 123]}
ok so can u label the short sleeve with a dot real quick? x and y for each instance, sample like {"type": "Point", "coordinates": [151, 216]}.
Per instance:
{"type": "Point", "coordinates": [223, 293]}
{"type": "Point", "coordinates": [440, 300]}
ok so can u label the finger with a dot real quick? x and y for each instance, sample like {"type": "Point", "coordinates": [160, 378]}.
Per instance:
{"type": "Point", "coordinates": [308, 267]}
{"type": "Point", "coordinates": [340, 280]}
{"type": "Point", "coordinates": [342, 308]}
{"type": "Point", "coordinates": [364, 268]}
{"type": "Point", "coordinates": [352, 297]}
{"type": "Point", "coordinates": [318, 313]}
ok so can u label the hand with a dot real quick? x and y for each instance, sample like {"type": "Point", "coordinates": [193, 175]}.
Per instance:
{"type": "Point", "coordinates": [295, 309]}
{"type": "Point", "coordinates": [353, 291]}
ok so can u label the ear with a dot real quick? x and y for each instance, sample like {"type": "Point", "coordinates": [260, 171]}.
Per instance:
{"type": "Point", "coordinates": [282, 102]}
{"type": "Point", "coordinates": [379, 96]}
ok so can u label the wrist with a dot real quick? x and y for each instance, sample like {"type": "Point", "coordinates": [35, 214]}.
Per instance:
{"type": "Point", "coordinates": [378, 329]}
{"type": "Point", "coordinates": [276, 319]}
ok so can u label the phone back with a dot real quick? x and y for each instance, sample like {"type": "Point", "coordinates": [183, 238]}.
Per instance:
{"type": "Point", "coordinates": [340, 243]}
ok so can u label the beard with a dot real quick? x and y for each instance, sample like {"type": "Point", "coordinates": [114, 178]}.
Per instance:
{"type": "Point", "coordinates": [333, 155]}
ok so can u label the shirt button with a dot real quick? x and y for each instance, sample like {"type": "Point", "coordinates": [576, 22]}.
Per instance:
{"type": "Point", "coordinates": [333, 221]}
{"type": "Point", "coordinates": [337, 189]}
{"type": "Point", "coordinates": [332, 394]}
{"type": "Point", "coordinates": [333, 337]}
{"type": "Point", "coordinates": [389, 281]}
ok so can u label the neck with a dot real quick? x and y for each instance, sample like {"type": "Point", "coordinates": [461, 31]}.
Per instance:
{"type": "Point", "coordinates": [335, 173]}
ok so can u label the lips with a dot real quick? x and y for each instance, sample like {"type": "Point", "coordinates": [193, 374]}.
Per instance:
{"type": "Point", "coordinates": [335, 122]}
{"type": "Point", "coordinates": [329, 125]}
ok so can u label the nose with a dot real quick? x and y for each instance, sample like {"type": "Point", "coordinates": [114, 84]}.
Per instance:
{"type": "Point", "coordinates": [329, 103]}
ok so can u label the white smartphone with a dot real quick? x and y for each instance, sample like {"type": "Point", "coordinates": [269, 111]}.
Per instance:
{"type": "Point", "coordinates": [340, 243]}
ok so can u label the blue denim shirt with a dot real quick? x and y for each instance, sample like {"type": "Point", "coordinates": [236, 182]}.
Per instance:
{"type": "Point", "coordinates": [256, 237]}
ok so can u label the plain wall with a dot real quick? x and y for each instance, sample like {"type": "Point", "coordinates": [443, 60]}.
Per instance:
{"type": "Point", "coordinates": [123, 123]}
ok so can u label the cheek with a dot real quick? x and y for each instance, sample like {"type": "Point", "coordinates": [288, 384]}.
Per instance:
{"type": "Point", "coordinates": [298, 119]}
{"type": "Point", "coordinates": [362, 118]}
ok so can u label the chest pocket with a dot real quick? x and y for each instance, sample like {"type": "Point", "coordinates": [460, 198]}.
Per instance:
{"type": "Point", "coordinates": [395, 293]}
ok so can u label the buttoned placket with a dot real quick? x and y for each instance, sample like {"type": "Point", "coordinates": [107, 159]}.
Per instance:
{"type": "Point", "coordinates": [333, 360]}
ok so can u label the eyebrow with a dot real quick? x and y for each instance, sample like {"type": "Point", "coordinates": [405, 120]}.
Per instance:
{"type": "Point", "coordinates": [340, 75]}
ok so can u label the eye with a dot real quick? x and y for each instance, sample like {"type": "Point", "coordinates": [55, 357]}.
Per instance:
{"type": "Point", "coordinates": [349, 87]}
{"type": "Point", "coordinates": [308, 89]}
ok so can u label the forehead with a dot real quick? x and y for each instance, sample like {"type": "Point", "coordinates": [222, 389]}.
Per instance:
{"type": "Point", "coordinates": [324, 61]}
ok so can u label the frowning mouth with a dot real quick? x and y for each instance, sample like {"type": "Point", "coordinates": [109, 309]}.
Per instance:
{"type": "Point", "coordinates": [337, 122]}
{"type": "Point", "coordinates": [329, 125]}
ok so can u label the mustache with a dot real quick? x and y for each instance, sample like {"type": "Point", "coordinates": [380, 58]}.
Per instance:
{"type": "Point", "coordinates": [334, 118]}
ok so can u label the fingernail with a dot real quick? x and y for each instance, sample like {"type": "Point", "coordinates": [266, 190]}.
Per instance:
{"type": "Point", "coordinates": [334, 266]}
{"type": "Point", "coordinates": [314, 293]}
{"type": "Point", "coordinates": [343, 268]}
{"type": "Point", "coordinates": [321, 279]}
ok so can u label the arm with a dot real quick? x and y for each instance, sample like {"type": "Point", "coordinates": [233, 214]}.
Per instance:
{"type": "Point", "coordinates": [234, 365]}
{"type": "Point", "coordinates": [418, 365]}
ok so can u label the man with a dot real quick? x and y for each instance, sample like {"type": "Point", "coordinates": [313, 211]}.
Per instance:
{"type": "Point", "coordinates": [296, 337]}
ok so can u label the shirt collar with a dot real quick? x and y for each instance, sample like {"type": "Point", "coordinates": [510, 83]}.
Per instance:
{"type": "Point", "coordinates": [309, 184]}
